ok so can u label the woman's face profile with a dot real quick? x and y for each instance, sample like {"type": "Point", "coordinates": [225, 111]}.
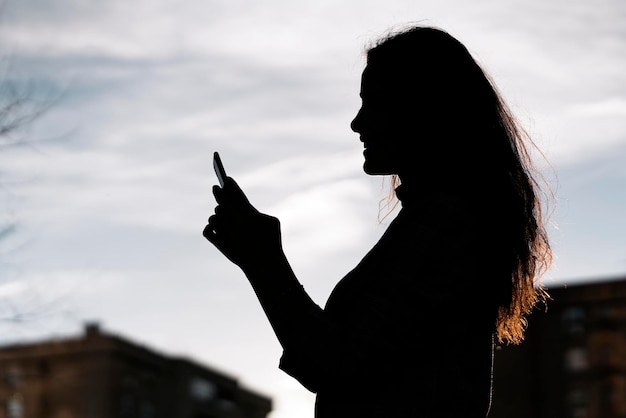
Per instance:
{"type": "Point", "coordinates": [383, 129]}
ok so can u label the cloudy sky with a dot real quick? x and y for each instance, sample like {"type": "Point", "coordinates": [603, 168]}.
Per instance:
{"type": "Point", "coordinates": [109, 189]}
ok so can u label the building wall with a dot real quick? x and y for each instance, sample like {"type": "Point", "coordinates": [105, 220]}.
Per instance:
{"type": "Point", "coordinates": [102, 376]}
{"type": "Point", "coordinates": [573, 362]}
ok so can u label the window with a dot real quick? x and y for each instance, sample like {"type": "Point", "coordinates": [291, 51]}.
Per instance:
{"type": "Point", "coordinates": [576, 359]}
{"type": "Point", "coordinates": [577, 397]}
{"type": "Point", "coordinates": [202, 390]}
{"type": "Point", "coordinates": [573, 320]}
{"type": "Point", "coordinates": [146, 410]}
{"type": "Point", "coordinates": [13, 376]}
{"type": "Point", "coordinates": [577, 400]}
{"type": "Point", "coordinates": [15, 407]}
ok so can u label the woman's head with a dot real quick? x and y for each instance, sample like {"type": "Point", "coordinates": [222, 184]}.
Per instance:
{"type": "Point", "coordinates": [426, 104]}
{"type": "Point", "coordinates": [430, 112]}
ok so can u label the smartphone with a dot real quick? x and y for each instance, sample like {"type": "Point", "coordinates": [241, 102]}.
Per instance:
{"type": "Point", "coordinates": [219, 168]}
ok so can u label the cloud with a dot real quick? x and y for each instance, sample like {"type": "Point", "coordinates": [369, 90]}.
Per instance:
{"type": "Point", "coordinates": [11, 289]}
{"type": "Point", "coordinates": [610, 106]}
{"type": "Point", "coordinates": [149, 89]}
{"type": "Point", "coordinates": [582, 131]}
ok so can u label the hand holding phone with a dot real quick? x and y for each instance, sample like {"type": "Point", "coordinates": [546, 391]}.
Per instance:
{"type": "Point", "coordinates": [242, 233]}
{"type": "Point", "coordinates": [219, 169]}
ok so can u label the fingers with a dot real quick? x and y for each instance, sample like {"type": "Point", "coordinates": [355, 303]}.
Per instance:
{"type": "Point", "coordinates": [218, 224]}
{"type": "Point", "coordinates": [209, 233]}
{"type": "Point", "coordinates": [217, 193]}
{"type": "Point", "coordinates": [232, 207]}
{"type": "Point", "coordinates": [213, 231]}
{"type": "Point", "coordinates": [214, 238]}
{"type": "Point", "coordinates": [210, 229]}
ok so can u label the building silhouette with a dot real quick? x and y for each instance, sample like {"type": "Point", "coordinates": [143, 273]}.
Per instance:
{"type": "Point", "coordinates": [99, 375]}
{"type": "Point", "coordinates": [573, 361]}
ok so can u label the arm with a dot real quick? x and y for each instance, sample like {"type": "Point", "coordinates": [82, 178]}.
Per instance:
{"type": "Point", "coordinates": [252, 240]}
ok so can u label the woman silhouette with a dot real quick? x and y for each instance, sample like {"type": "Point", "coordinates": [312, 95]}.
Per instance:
{"type": "Point", "coordinates": [410, 331]}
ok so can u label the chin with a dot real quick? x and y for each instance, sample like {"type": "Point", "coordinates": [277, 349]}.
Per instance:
{"type": "Point", "coordinates": [373, 170]}
{"type": "Point", "coordinates": [378, 164]}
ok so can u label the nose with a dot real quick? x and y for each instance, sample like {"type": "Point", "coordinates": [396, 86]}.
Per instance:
{"type": "Point", "coordinates": [355, 125]}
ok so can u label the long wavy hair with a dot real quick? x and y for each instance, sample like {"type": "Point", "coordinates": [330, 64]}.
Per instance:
{"type": "Point", "coordinates": [461, 109]}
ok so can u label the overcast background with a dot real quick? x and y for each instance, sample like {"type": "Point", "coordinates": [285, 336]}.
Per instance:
{"type": "Point", "coordinates": [111, 189]}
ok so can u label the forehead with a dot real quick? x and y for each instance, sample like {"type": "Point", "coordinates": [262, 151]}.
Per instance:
{"type": "Point", "coordinates": [374, 81]}
{"type": "Point", "coordinates": [384, 83]}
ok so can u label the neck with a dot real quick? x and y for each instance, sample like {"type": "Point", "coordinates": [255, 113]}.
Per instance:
{"type": "Point", "coordinates": [423, 185]}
